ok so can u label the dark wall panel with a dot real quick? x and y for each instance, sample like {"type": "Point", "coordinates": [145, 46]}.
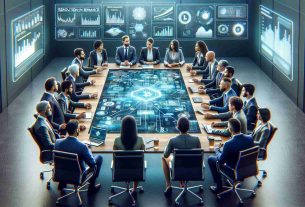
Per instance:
{"type": "Point", "coordinates": [301, 99]}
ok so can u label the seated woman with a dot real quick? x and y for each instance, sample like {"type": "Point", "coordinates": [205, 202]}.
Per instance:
{"type": "Point", "coordinates": [199, 62]}
{"type": "Point", "coordinates": [262, 132]}
{"type": "Point", "coordinates": [98, 57]}
{"type": "Point", "coordinates": [149, 55]}
{"type": "Point", "coordinates": [129, 139]}
{"type": "Point", "coordinates": [174, 56]}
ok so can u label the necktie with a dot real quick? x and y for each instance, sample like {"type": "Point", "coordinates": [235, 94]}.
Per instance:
{"type": "Point", "coordinates": [126, 54]}
{"type": "Point", "coordinates": [224, 99]}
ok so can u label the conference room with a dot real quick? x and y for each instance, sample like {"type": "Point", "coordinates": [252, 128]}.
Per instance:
{"type": "Point", "coordinates": [152, 103]}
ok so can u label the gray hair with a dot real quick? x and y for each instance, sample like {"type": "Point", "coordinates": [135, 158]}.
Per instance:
{"type": "Point", "coordinates": [42, 106]}
{"type": "Point", "coordinates": [73, 69]}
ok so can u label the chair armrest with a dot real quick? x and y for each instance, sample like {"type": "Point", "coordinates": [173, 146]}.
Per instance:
{"type": "Point", "coordinates": [170, 165]}
{"type": "Point", "coordinates": [111, 165]}
{"type": "Point", "coordinates": [203, 165]}
{"type": "Point", "coordinates": [145, 164]}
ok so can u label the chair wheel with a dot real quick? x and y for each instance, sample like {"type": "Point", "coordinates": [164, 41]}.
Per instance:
{"type": "Point", "coordinates": [218, 196]}
{"type": "Point", "coordinates": [201, 189]}
{"type": "Point", "coordinates": [253, 195]}
{"type": "Point", "coordinates": [177, 204]}
{"type": "Point", "coordinates": [41, 176]}
{"type": "Point", "coordinates": [58, 203]}
{"type": "Point", "coordinates": [201, 203]}
{"type": "Point", "coordinates": [259, 183]}
{"type": "Point", "coordinates": [48, 185]}
{"type": "Point", "coordinates": [112, 190]}
{"type": "Point", "coordinates": [264, 174]}
{"type": "Point", "coordinates": [141, 190]}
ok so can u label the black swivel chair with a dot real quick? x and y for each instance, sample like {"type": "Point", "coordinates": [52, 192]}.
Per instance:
{"type": "Point", "coordinates": [239, 87]}
{"type": "Point", "coordinates": [127, 166]}
{"type": "Point", "coordinates": [45, 156]}
{"type": "Point", "coordinates": [187, 165]}
{"type": "Point", "coordinates": [64, 73]}
{"type": "Point", "coordinates": [67, 170]}
{"type": "Point", "coordinates": [246, 167]}
{"type": "Point", "coordinates": [262, 155]}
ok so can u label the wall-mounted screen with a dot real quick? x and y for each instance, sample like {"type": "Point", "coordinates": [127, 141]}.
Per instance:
{"type": "Point", "coordinates": [276, 40]}
{"type": "Point", "coordinates": [77, 22]}
{"type": "Point", "coordinates": [232, 29]}
{"type": "Point", "coordinates": [28, 41]}
{"type": "Point", "coordinates": [232, 11]}
{"type": "Point", "coordinates": [139, 22]}
{"type": "Point", "coordinates": [115, 21]}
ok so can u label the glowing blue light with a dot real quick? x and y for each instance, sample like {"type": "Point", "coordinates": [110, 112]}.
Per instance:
{"type": "Point", "coordinates": [146, 94]}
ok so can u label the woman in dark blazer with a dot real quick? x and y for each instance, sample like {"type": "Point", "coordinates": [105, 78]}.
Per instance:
{"type": "Point", "coordinates": [149, 55]}
{"type": "Point", "coordinates": [129, 139]}
{"type": "Point", "coordinates": [98, 57]}
{"type": "Point", "coordinates": [199, 62]}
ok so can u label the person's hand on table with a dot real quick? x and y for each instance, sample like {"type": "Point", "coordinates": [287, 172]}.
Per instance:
{"type": "Point", "coordinates": [104, 65]}
{"type": "Point", "coordinates": [169, 65]}
{"type": "Point", "coordinates": [196, 80]}
{"type": "Point", "coordinates": [205, 106]}
{"type": "Point", "coordinates": [99, 69]}
{"type": "Point", "coordinates": [62, 126]}
{"type": "Point", "coordinates": [188, 67]}
{"type": "Point", "coordinates": [82, 127]}
{"type": "Point", "coordinates": [93, 95]}
{"type": "Point", "coordinates": [193, 72]}
{"type": "Point", "coordinates": [202, 91]}
{"type": "Point", "coordinates": [208, 116]}
{"type": "Point", "coordinates": [213, 124]}
{"type": "Point", "coordinates": [81, 115]}
{"type": "Point", "coordinates": [88, 105]}
{"type": "Point", "coordinates": [92, 82]}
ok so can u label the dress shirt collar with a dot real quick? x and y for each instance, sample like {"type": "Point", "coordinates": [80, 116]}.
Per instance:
{"type": "Point", "coordinates": [51, 94]}
{"type": "Point", "coordinates": [80, 61]}
{"type": "Point", "coordinates": [72, 78]}
{"type": "Point", "coordinates": [248, 100]}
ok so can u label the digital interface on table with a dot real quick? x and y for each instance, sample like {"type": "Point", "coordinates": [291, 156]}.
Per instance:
{"type": "Point", "coordinates": [156, 98]}
{"type": "Point", "coordinates": [276, 40]}
{"type": "Point", "coordinates": [28, 41]}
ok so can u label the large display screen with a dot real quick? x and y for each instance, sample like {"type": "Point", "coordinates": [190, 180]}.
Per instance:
{"type": "Point", "coordinates": [276, 40]}
{"type": "Point", "coordinates": [28, 41]}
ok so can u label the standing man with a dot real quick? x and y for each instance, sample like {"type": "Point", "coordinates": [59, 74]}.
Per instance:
{"type": "Point", "coordinates": [126, 54]}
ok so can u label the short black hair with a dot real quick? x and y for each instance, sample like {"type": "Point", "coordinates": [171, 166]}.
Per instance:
{"type": "Point", "coordinates": [151, 40]}
{"type": "Point", "coordinates": [97, 44]}
{"type": "Point", "coordinates": [249, 88]}
{"type": "Point", "coordinates": [236, 102]}
{"type": "Point", "coordinates": [265, 114]}
{"type": "Point", "coordinates": [72, 126]}
{"type": "Point", "coordinates": [78, 51]}
{"type": "Point", "coordinates": [223, 63]}
{"type": "Point", "coordinates": [183, 124]}
{"type": "Point", "coordinates": [124, 37]}
{"type": "Point", "coordinates": [230, 69]}
{"type": "Point", "coordinates": [65, 85]}
{"type": "Point", "coordinates": [234, 125]}
{"type": "Point", "coordinates": [50, 82]}
{"type": "Point", "coordinates": [176, 45]}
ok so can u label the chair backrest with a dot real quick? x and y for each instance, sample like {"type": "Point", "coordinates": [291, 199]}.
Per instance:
{"type": "Point", "coordinates": [239, 87]}
{"type": "Point", "coordinates": [128, 166]}
{"type": "Point", "coordinates": [247, 163]}
{"type": "Point", "coordinates": [154, 47]}
{"type": "Point", "coordinates": [89, 62]}
{"type": "Point", "coordinates": [188, 165]}
{"type": "Point", "coordinates": [64, 73]}
{"type": "Point", "coordinates": [66, 168]}
{"type": "Point", "coordinates": [263, 152]}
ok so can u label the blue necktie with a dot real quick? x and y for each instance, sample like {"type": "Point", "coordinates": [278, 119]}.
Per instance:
{"type": "Point", "coordinates": [126, 54]}
{"type": "Point", "coordinates": [224, 99]}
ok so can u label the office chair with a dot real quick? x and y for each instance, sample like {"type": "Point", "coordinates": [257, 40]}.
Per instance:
{"type": "Point", "coordinates": [67, 170]}
{"type": "Point", "coordinates": [246, 167]}
{"type": "Point", "coordinates": [262, 155]}
{"type": "Point", "coordinates": [187, 165]}
{"type": "Point", "coordinates": [239, 84]}
{"type": "Point", "coordinates": [45, 156]}
{"type": "Point", "coordinates": [127, 166]}
{"type": "Point", "coordinates": [64, 73]}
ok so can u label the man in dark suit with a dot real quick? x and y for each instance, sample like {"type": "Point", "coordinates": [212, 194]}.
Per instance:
{"type": "Point", "coordinates": [209, 71]}
{"type": "Point", "coordinates": [126, 54]}
{"type": "Point", "coordinates": [98, 57]}
{"type": "Point", "coordinates": [262, 132]}
{"type": "Point", "coordinates": [71, 144]}
{"type": "Point", "coordinates": [230, 153]}
{"type": "Point", "coordinates": [221, 104]}
{"type": "Point", "coordinates": [74, 73]}
{"type": "Point", "coordinates": [182, 141]}
{"type": "Point", "coordinates": [236, 85]}
{"type": "Point", "coordinates": [149, 55]}
{"type": "Point", "coordinates": [250, 105]}
{"type": "Point", "coordinates": [57, 118]}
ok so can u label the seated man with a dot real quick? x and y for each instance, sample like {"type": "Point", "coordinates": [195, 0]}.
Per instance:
{"type": "Point", "coordinates": [126, 54]}
{"type": "Point", "coordinates": [235, 107]}
{"type": "Point", "coordinates": [221, 104]}
{"type": "Point", "coordinates": [74, 73]}
{"type": "Point", "coordinates": [262, 132]}
{"type": "Point", "coordinates": [209, 72]}
{"type": "Point", "coordinates": [235, 85]}
{"type": "Point", "coordinates": [149, 55]}
{"type": "Point", "coordinates": [71, 144]}
{"type": "Point", "coordinates": [229, 154]}
{"type": "Point", "coordinates": [42, 128]}
{"type": "Point", "coordinates": [182, 141]}
{"type": "Point", "coordinates": [250, 105]}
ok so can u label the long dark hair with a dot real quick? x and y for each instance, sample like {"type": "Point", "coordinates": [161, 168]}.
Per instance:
{"type": "Point", "coordinates": [203, 47]}
{"type": "Point", "coordinates": [129, 132]}
{"type": "Point", "coordinates": [176, 45]}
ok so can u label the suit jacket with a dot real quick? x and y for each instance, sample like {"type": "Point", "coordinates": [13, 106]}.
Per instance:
{"type": "Point", "coordinates": [208, 72]}
{"type": "Point", "coordinates": [236, 86]}
{"type": "Point", "coordinates": [155, 53]}
{"type": "Point", "coordinates": [261, 134]}
{"type": "Point", "coordinates": [250, 108]}
{"type": "Point", "coordinates": [231, 149]}
{"type": "Point", "coordinates": [74, 96]}
{"type": "Point", "coordinates": [73, 145]}
{"type": "Point", "coordinates": [93, 57]}
{"type": "Point", "coordinates": [57, 117]}
{"type": "Point", "coordinates": [132, 55]}
{"type": "Point", "coordinates": [178, 58]}
{"type": "Point", "coordinates": [84, 72]}
{"type": "Point", "coordinates": [199, 64]}
{"type": "Point", "coordinates": [182, 141]}
{"type": "Point", "coordinates": [221, 104]}
{"type": "Point", "coordinates": [66, 105]}
{"type": "Point", "coordinates": [45, 134]}
{"type": "Point", "coordinates": [214, 84]}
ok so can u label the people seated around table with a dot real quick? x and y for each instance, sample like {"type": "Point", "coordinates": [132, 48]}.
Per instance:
{"type": "Point", "coordinates": [250, 105]}
{"type": "Point", "coordinates": [199, 62]}
{"type": "Point", "coordinates": [262, 132]}
{"type": "Point", "coordinates": [229, 154]}
{"type": "Point", "coordinates": [209, 70]}
{"type": "Point", "coordinates": [56, 118]}
{"type": "Point", "coordinates": [71, 144]}
{"type": "Point", "coordinates": [129, 139]}
{"type": "Point", "coordinates": [212, 88]}
{"type": "Point", "coordinates": [174, 55]}
{"type": "Point", "coordinates": [43, 129]}
{"type": "Point", "coordinates": [98, 57]}
{"type": "Point", "coordinates": [126, 54]}
{"type": "Point", "coordinates": [181, 141]}
{"type": "Point", "coordinates": [221, 104]}
{"type": "Point", "coordinates": [235, 111]}
{"type": "Point", "coordinates": [73, 74]}
{"type": "Point", "coordinates": [149, 55]}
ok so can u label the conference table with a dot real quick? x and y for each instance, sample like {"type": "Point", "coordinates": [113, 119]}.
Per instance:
{"type": "Point", "coordinates": [163, 138]}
